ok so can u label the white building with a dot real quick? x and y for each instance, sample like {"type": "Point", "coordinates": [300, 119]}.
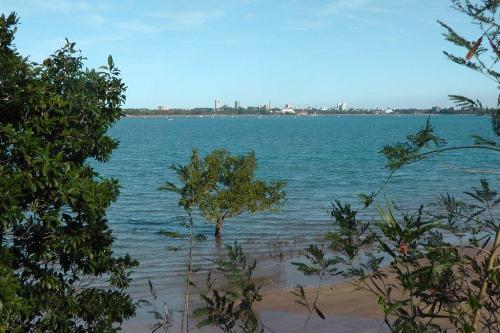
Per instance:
{"type": "Point", "coordinates": [286, 110]}
{"type": "Point", "coordinates": [341, 106]}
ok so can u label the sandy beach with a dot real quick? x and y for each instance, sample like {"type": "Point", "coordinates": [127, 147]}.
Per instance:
{"type": "Point", "coordinates": [345, 309]}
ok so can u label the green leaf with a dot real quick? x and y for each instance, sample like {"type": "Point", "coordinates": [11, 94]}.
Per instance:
{"type": "Point", "coordinates": [473, 303]}
{"type": "Point", "coordinates": [394, 307]}
{"type": "Point", "coordinates": [465, 102]}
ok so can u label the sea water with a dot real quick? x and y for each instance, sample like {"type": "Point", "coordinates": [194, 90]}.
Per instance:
{"type": "Point", "coordinates": [321, 159]}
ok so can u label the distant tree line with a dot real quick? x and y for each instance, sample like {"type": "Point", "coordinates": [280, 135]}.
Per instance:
{"type": "Point", "coordinates": [262, 111]}
{"type": "Point", "coordinates": [197, 112]}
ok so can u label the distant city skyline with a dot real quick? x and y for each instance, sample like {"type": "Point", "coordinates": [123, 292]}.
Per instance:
{"type": "Point", "coordinates": [185, 54]}
{"type": "Point", "coordinates": [341, 105]}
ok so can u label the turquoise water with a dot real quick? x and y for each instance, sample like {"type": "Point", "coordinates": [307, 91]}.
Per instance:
{"type": "Point", "coordinates": [321, 158]}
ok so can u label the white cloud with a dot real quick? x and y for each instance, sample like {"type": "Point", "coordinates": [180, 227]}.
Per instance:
{"type": "Point", "coordinates": [96, 19]}
{"type": "Point", "coordinates": [181, 20]}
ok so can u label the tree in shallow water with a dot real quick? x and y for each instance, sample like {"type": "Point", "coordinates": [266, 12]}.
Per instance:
{"type": "Point", "coordinates": [54, 235]}
{"type": "Point", "coordinates": [222, 186]}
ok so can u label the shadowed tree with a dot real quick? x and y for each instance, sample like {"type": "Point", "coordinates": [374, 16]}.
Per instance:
{"type": "Point", "coordinates": [54, 235]}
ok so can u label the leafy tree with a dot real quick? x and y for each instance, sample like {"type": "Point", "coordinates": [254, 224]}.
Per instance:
{"type": "Point", "coordinates": [54, 236]}
{"type": "Point", "coordinates": [222, 186]}
{"type": "Point", "coordinates": [437, 267]}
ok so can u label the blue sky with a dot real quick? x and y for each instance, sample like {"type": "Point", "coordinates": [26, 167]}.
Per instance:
{"type": "Point", "coordinates": [186, 53]}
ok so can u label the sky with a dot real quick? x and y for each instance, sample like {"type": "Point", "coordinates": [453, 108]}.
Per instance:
{"type": "Point", "coordinates": [186, 53]}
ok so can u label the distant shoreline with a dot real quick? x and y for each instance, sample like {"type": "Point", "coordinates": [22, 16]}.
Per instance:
{"type": "Point", "coordinates": [288, 115]}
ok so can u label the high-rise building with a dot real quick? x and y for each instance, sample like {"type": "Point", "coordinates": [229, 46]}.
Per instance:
{"type": "Point", "coordinates": [216, 105]}
{"type": "Point", "coordinates": [341, 106]}
{"type": "Point", "coordinates": [237, 104]}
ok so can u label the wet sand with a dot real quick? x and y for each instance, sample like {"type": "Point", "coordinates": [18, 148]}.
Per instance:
{"type": "Point", "coordinates": [339, 299]}
{"type": "Point", "coordinates": [289, 322]}
{"type": "Point", "coordinates": [345, 309]}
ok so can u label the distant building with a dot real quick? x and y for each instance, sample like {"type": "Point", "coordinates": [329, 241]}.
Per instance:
{"type": "Point", "coordinates": [341, 106]}
{"type": "Point", "coordinates": [435, 109]}
{"type": "Point", "coordinates": [287, 110]}
{"type": "Point", "coordinates": [237, 104]}
{"type": "Point", "coordinates": [163, 108]}
{"type": "Point", "coordinates": [253, 108]}
{"type": "Point", "coordinates": [216, 105]}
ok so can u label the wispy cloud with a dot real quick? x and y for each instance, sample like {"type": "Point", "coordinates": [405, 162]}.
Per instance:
{"type": "Point", "coordinates": [340, 5]}
{"type": "Point", "coordinates": [181, 20]}
{"type": "Point", "coordinates": [136, 27]}
{"type": "Point", "coordinates": [96, 19]}
{"type": "Point", "coordinates": [150, 23]}
{"type": "Point", "coordinates": [357, 11]}
{"type": "Point", "coordinates": [68, 6]}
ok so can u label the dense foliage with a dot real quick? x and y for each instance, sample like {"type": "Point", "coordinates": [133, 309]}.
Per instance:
{"type": "Point", "coordinates": [54, 236]}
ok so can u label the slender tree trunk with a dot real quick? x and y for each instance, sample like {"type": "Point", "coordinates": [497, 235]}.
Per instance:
{"type": "Point", "coordinates": [218, 228]}
{"type": "Point", "coordinates": [485, 283]}
{"type": "Point", "coordinates": [185, 313]}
